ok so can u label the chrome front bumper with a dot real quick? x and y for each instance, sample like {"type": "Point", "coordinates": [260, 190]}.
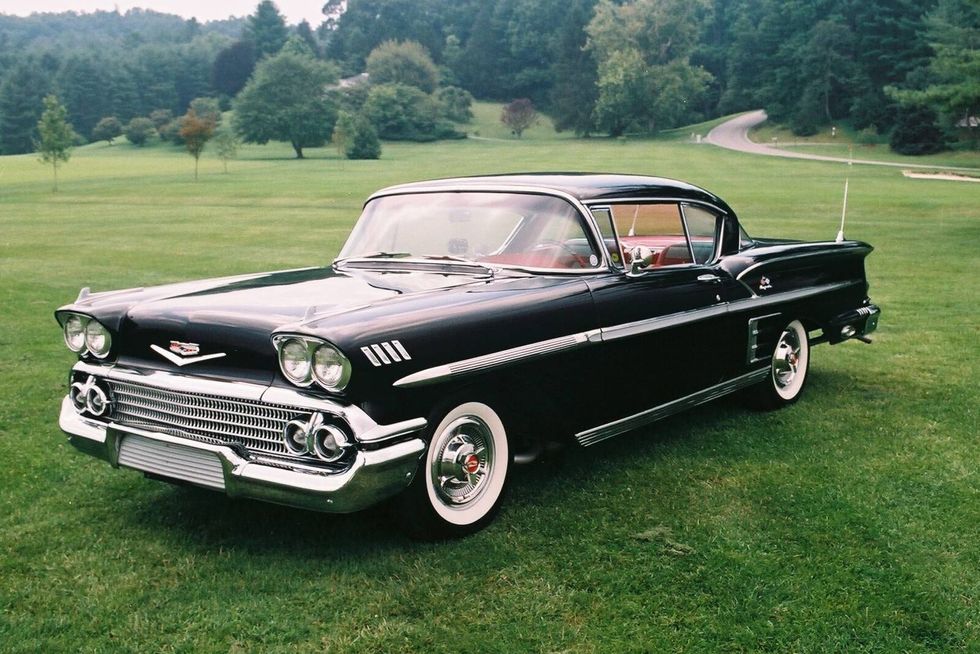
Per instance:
{"type": "Point", "coordinates": [374, 474]}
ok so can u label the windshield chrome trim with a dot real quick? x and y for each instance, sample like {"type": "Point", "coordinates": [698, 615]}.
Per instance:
{"type": "Point", "coordinates": [584, 213]}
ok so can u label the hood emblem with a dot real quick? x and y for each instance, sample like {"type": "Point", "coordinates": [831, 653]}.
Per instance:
{"type": "Point", "coordinates": [182, 354]}
{"type": "Point", "coordinates": [185, 349]}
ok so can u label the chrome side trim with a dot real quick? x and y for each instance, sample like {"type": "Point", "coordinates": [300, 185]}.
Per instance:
{"type": "Point", "coordinates": [788, 296]}
{"type": "Point", "coordinates": [615, 428]}
{"type": "Point", "coordinates": [753, 340]}
{"type": "Point", "coordinates": [662, 322]}
{"type": "Point", "coordinates": [496, 359]}
{"type": "Point", "coordinates": [562, 343]}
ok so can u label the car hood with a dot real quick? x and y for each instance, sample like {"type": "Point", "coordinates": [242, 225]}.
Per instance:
{"type": "Point", "coordinates": [236, 317]}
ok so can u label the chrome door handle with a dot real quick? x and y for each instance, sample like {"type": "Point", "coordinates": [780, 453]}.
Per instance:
{"type": "Point", "coordinates": [709, 279]}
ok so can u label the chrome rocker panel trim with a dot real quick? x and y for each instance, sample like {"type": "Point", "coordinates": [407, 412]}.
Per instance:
{"type": "Point", "coordinates": [603, 432]}
{"type": "Point", "coordinates": [372, 476]}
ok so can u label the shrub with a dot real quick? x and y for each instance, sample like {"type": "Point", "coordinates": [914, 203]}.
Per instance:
{"type": "Point", "coordinates": [139, 130]}
{"type": "Point", "coordinates": [107, 129]}
{"type": "Point", "coordinates": [355, 137]}
{"type": "Point", "coordinates": [401, 113]}
{"type": "Point", "coordinates": [916, 131]}
{"type": "Point", "coordinates": [455, 103]}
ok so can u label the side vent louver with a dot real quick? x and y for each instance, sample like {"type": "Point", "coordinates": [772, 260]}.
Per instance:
{"type": "Point", "coordinates": [385, 353]}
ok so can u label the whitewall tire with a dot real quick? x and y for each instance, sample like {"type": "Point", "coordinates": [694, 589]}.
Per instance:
{"type": "Point", "coordinates": [460, 483]}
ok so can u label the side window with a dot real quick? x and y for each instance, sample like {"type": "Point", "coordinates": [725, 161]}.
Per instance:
{"type": "Point", "coordinates": [657, 227]}
{"type": "Point", "coordinates": [704, 227]}
{"type": "Point", "coordinates": [603, 219]}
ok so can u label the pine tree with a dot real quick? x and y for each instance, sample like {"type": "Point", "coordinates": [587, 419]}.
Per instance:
{"type": "Point", "coordinates": [266, 28]}
{"type": "Point", "coordinates": [56, 135]}
{"type": "Point", "coordinates": [21, 97]}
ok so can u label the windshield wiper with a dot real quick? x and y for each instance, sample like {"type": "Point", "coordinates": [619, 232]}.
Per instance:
{"type": "Point", "coordinates": [446, 259]}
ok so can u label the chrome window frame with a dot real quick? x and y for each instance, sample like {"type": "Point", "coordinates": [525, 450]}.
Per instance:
{"type": "Point", "coordinates": [719, 228]}
{"type": "Point", "coordinates": [589, 226]}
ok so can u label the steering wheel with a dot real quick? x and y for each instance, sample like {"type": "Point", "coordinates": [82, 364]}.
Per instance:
{"type": "Point", "coordinates": [577, 259]}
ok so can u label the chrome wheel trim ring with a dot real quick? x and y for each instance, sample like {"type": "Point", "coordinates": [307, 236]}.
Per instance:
{"type": "Point", "coordinates": [463, 461]}
{"type": "Point", "coordinates": [466, 464]}
{"type": "Point", "coordinates": [789, 361]}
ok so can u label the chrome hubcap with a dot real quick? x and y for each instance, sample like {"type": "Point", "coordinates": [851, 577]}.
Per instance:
{"type": "Point", "coordinates": [463, 461]}
{"type": "Point", "coordinates": [786, 359]}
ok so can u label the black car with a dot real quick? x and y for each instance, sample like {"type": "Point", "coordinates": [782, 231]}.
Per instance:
{"type": "Point", "coordinates": [465, 323]}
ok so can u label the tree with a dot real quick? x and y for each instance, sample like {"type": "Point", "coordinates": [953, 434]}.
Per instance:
{"type": "Point", "coordinates": [455, 104]}
{"type": "Point", "coordinates": [355, 137]}
{"type": "Point", "coordinates": [232, 67]}
{"type": "Point", "coordinates": [916, 131]}
{"type": "Point", "coordinates": [953, 82]}
{"type": "Point", "coordinates": [266, 28]}
{"type": "Point", "coordinates": [642, 50]}
{"type": "Point", "coordinates": [160, 119]}
{"type": "Point", "coordinates": [407, 63]}
{"type": "Point", "coordinates": [401, 113]}
{"type": "Point", "coordinates": [139, 130]}
{"type": "Point", "coordinates": [519, 115]}
{"type": "Point", "coordinates": [21, 103]}
{"type": "Point", "coordinates": [208, 109]}
{"type": "Point", "coordinates": [225, 144]}
{"type": "Point", "coordinates": [82, 83]}
{"type": "Point", "coordinates": [56, 135]}
{"type": "Point", "coordinates": [285, 100]}
{"type": "Point", "coordinates": [573, 95]}
{"type": "Point", "coordinates": [305, 32]}
{"type": "Point", "coordinates": [196, 131]}
{"type": "Point", "coordinates": [107, 129]}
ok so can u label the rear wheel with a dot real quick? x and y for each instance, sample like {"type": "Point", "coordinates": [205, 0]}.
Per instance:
{"type": "Point", "coordinates": [460, 484]}
{"type": "Point", "coordinates": [787, 370]}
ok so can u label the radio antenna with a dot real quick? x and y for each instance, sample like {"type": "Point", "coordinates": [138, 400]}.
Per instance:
{"type": "Point", "coordinates": [843, 213]}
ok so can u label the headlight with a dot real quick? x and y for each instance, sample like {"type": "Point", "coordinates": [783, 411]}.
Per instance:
{"type": "Point", "coordinates": [97, 339]}
{"type": "Point", "coordinates": [294, 359]}
{"type": "Point", "coordinates": [75, 333]}
{"type": "Point", "coordinates": [307, 359]}
{"type": "Point", "coordinates": [331, 368]}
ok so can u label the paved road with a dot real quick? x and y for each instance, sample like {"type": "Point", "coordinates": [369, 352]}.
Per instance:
{"type": "Point", "coordinates": [734, 135]}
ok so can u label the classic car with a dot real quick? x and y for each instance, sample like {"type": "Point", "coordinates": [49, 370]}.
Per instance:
{"type": "Point", "coordinates": [466, 324]}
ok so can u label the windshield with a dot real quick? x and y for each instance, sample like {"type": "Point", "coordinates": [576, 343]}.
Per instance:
{"type": "Point", "coordinates": [494, 229]}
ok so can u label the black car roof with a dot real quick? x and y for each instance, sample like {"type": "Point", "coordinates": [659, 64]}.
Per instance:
{"type": "Point", "coordinates": [586, 187]}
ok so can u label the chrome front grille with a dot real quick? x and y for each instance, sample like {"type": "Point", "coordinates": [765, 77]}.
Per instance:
{"type": "Point", "coordinates": [219, 420]}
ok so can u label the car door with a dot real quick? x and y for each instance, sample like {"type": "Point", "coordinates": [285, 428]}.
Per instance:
{"type": "Point", "coordinates": [666, 330]}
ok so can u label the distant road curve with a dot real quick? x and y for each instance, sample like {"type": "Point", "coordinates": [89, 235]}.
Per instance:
{"type": "Point", "coordinates": [734, 135]}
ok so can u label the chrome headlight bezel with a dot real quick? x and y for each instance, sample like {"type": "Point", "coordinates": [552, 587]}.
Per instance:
{"type": "Point", "coordinates": [307, 348]}
{"type": "Point", "coordinates": [82, 334]}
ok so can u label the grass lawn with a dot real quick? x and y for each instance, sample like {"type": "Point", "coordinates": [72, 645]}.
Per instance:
{"type": "Point", "coordinates": [847, 523]}
{"type": "Point", "coordinates": [848, 143]}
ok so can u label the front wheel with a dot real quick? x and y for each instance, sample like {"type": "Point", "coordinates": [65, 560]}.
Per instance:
{"type": "Point", "coordinates": [459, 486]}
{"type": "Point", "coordinates": [787, 370]}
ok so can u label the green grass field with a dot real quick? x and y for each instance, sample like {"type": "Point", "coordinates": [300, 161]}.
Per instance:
{"type": "Point", "coordinates": [847, 523]}
{"type": "Point", "coordinates": [848, 143]}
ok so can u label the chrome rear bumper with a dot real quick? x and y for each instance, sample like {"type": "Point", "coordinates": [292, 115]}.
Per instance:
{"type": "Point", "coordinates": [375, 473]}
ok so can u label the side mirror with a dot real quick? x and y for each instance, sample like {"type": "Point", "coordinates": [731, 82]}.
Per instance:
{"type": "Point", "coordinates": [641, 257]}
